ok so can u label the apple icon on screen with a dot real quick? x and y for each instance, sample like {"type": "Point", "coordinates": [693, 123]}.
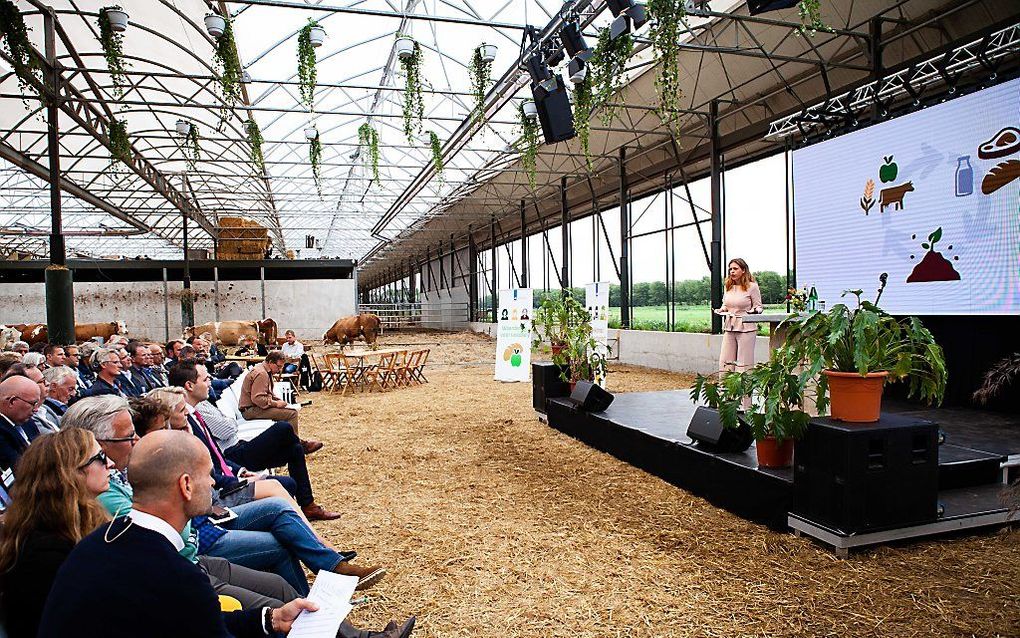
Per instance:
{"type": "Point", "coordinates": [889, 170]}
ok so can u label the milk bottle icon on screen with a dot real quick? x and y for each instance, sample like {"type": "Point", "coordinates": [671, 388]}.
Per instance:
{"type": "Point", "coordinates": [964, 177]}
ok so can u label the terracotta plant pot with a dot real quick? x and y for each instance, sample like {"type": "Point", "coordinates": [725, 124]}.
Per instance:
{"type": "Point", "coordinates": [772, 453]}
{"type": "Point", "coordinates": [854, 398]}
{"type": "Point", "coordinates": [557, 348]}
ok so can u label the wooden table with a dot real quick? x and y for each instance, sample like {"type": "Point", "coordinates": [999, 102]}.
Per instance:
{"type": "Point", "coordinates": [252, 360]}
{"type": "Point", "coordinates": [777, 332]}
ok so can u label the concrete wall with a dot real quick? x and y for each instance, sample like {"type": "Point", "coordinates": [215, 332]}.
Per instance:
{"type": "Point", "coordinates": [445, 306]}
{"type": "Point", "coordinates": [309, 307]}
{"type": "Point", "coordinates": [673, 351]}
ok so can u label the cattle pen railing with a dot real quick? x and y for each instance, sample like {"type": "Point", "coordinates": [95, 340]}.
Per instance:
{"type": "Point", "coordinates": [439, 315]}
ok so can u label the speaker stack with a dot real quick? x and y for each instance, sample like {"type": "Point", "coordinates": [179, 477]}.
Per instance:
{"type": "Point", "coordinates": [707, 430]}
{"type": "Point", "coordinates": [546, 384]}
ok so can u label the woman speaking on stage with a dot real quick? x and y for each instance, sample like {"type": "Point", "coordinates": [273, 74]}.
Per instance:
{"type": "Point", "coordinates": [742, 298]}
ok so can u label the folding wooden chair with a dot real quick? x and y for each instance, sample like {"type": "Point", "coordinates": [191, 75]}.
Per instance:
{"type": "Point", "coordinates": [418, 373]}
{"type": "Point", "coordinates": [328, 374]}
{"type": "Point", "coordinates": [378, 376]}
{"type": "Point", "coordinates": [406, 368]}
{"type": "Point", "coordinates": [343, 373]}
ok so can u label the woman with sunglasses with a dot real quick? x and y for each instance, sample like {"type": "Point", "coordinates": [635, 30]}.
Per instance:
{"type": "Point", "coordinates": [53, 507]}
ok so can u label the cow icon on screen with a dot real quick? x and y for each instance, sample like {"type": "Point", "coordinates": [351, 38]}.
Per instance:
{"type": "Point", "coordinates": [893, 196]}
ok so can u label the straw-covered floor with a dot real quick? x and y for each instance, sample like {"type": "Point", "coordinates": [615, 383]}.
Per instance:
{"type": "Point", "coordinates": [494, 525]}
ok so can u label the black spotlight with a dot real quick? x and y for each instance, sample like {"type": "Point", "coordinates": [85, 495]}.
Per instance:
{"type": "Point", "coordinates": [574, 43]}
{"type": "Point", "coordinates": [541, 75]}
{"type": "Point", "coordinates": [639, 14]}
{"type": "Point", "coordinates": [554, 111]}
{"type": "Point", "coordinates": [577, 70]}
{"type": "Point", "coordinates": [754, 7]}
{"type": "Point", "coordinates": [555, 57]}
{"type": "Point", "coordinates": [619, 27]}
{"type": "Point", "coordinates": [616, 7]}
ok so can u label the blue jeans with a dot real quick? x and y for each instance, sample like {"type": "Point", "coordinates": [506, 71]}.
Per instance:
{"type": "Point", "coordinates": [270, 536]}
{"type": "Point", "coordinates": [289, 368]}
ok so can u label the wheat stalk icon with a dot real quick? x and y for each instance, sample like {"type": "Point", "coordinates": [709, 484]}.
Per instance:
{"type": "Point", "coordinates": [867, 201]}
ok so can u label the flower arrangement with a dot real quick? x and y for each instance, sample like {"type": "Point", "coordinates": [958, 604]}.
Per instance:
{"type": "Point", "coordinates": [797, 298]}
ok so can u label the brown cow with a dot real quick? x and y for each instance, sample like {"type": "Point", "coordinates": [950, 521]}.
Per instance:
{"type": "Point", "coordinates": [226, 333]}
{"type": "Point", "coordinates": [347, 329]}
{"type": "Point", "coordinates": [32, 333]}
{"type": "Point", "coordinates": [88, 331]}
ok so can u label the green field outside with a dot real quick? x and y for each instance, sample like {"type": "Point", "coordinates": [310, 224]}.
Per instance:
{"type": "Point", "coordinates": [688, 318]}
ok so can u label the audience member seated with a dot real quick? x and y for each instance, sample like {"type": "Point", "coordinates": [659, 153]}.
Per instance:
{"type": "Point", "coordinates": [171, 481]}
{"type": "Point", "coordinates": [149, 414]}
{"type": "Point", "coordinates": [249, 347]}
{"type": "Point", "coordinates": [19, 397]}
{"type": "Point", "coordinates": [257, 401]}
{"type": "Point", "coordinates": [73, 359]}
{"type": "Point", "coordinates": [34, 359]}
{"type": "Point", "coordinates": [156, 369]}
{"type": "Point", "coordinates": [21, 347]}
{"type": "Point", "coordinates": [55, 356]}
{"type": "Point", "coordinates": [267, 534]}
{"type": "Point", "coordinates": [141, 364]}
{"type": "Point", "coordinates": [86, 374]}
{"type": "Point", "coordinates": [127, 381]}
{"type": "Point", "coordinates": [62, 382]}
{"type": "Point", "coordinates": [173, 353]}
{"type": "Point", "coordinates": [39, 422]}
{"type": "Point", "coordinates": [54, 506]}
{"type": "Point", "coordinates": [38, 347]}
{"type": "Point", "coordinates": [293, 350]}
{"type": "Point", "coordinates": [7, 359]}
{"type": "Point", "coordinates": [276, 446]}
{"type": "Point", "coordinates": [108, 376]}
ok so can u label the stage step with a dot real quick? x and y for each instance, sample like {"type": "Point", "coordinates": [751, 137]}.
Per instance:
{"type": "Point", "coordinates": [962, 467]}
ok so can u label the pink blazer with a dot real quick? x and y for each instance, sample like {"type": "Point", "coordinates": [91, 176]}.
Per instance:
{"type": "Point", "coordinates": [740, 303]}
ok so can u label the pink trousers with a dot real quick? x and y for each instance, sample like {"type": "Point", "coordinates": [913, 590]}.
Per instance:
{"type": "Point", "coordinates": [737, 351]}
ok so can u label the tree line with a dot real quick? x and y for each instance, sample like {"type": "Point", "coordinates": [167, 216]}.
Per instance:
{"type": "Point", "coordinates": [689, 292]}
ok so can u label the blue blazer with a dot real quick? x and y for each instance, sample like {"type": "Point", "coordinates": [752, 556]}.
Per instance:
{"type": "Point", "coordinates": [12, 444]}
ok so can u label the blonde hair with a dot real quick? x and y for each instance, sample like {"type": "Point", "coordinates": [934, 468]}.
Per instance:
{"type": "Point", "coordinates": [745, 279]}
{"type": "Point", "coordinates": [50, 493]}
{"type": "Point", "coordinates": [169, 397]}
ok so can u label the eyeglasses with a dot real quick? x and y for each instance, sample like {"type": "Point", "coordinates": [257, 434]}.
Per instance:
{"type": "Point", "coordinates": [34, 404]}
{"type": "Point", "coordinates": [115, 362]}
{"type": "Point", "coordinates": [123, 439]}
{"type": "Point", "coordinates": [98, 457]}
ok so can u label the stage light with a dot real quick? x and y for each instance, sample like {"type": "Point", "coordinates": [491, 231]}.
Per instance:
{"type": "Point", "coordinates": [577, 70]}
{"type": "Point", "coordinates": [639, 14]}
{"type": "Point", "coordinates": [617, 7]}
{"type": "Point", "coordinates": [574, 43]}
{"type": "Point", "coordinates": [619, 27]}
{"type": "Point", "coordinates": [754, 7]}
{"type": "Point", "coordinates": [538, 69]}
{"type": "Point", "coordinates": [555, 57]}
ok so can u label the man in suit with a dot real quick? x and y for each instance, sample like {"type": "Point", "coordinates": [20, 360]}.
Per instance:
{"type": "Point", "coordinates": [108, 378]}
{"type": "Point", "coordinates": [55, 355]}
{"type": "Point", "coordinates": [141, 360]}
{"type": "Point", "coordinates": [172, 483]}
{"type": "Point", "coordinates": [39, 422]}
{"type": "Point", "coordinates": [19, 397]}
{"type": "Point", "coordinates": [62, 382]}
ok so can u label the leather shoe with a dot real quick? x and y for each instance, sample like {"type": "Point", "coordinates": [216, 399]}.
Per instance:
{"type": "Point", "coordinates": [392, 630]}
{"type": "Point", "coordinates": [367, 576]}
{"type": "Point", "coordinates": [316, 512]}
{"type": "Point", "coordinates": [310, 447]}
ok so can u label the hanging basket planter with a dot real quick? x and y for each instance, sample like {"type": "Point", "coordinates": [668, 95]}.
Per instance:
{"type": "Point", "coordinates": [118, 19]}
{"type": "Point", "coordinates": [183, 127]}
{"type": "Point", "coordinates": [246, 78]}
{"type": "Point", "coordinates": [530, 109]}
{"type": "Point", "coordinates": [488, 52]}
{"type": "Point", "coordinates": [316, 35]}
{"type": "Point", "coordinates": [405, 48]}
{"type": "Point", "coordinates": [215, 24]}
{"type": "Point", "coordinates": [311, 133]}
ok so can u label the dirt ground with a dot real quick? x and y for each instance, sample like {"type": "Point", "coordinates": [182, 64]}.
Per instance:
{"type": "Point", "coordinates": [494, 525]}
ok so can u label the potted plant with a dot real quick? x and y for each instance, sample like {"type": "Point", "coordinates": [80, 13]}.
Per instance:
{"type": "Point", "coordinates": [14, 33]}
{"type": "Point", "coordinates": [307, 74]}
{"type": "Point", "coordinates": [368, 139]}
{"type": "Point", "coordinates": [775, 393]}
{"type": "Point", "coordinates": [437, 153]}
{"type": "Point", "coordinates": [255, 141]}
{"type": "Point", "coordinates": [215, 24]}
{"type": "Point", "coordinates": [527, 145]}
{"type": "Point", "coordinates": [553, 319]}
{"type": "Point", "coordinates": [414, 105]}
{"type": "Point", "coordinates": [669, 23]}
{"type": "Point", "coordinates": [113, 22]}
{"type": "Point", "coordinates": [404, 46]}
{"type": "Point", "coordinates": [481, 72]}
{"type": "Point", "coordinates": [582, 358]}
{"type": "Point", "coordinates": [229, 65]}
{"type": "Point", "coordinates": [864, 347]}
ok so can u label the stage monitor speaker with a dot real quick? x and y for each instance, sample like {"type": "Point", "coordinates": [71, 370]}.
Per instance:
{"type": "Point", "coordinates": [861, 477]}
{"type": "Point", "coordinates": [707, 429]}
{"type": "Point", "coordinates": [546, 384]}
{"type": "Point", "coordinates": [554, 113]}
{"type": "Point", "coordinates": [754, 7]}
{"type": "Point", "coordinates": [590, 397]}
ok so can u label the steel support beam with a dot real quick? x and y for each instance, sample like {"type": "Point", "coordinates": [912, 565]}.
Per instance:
{"type": "Point", "coordinates": [492, 267]}
{"type": "Point", "coordinates": [564, 236]}
{"type": "Point", "coordinates": [624, 242]}
{"type": "Point", "coordinates": [524, 247]}
{"type": "Point", "coordinates": [717, 229]}
{"type": "Point", "coordinates": [473, 283]}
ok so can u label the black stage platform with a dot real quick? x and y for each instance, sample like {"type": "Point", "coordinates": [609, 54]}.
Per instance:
{"type": "Point", "coordinates": [648, 430]}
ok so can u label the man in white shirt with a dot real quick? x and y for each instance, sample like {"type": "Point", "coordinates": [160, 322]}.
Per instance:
{"type": "Point", "coordinates": [292, 349]}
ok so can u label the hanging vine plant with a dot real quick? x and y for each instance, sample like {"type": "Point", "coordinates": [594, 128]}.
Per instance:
{"type": "Point", "coordinates": [228, 62]}
{"type": "Point", "coordinates": [315, 157]}
{"type": "Point", "coordinates": [14, 34]}
{"type": "Point", "coordinates": [583, 106]}
{"type": "Point", "coordinates": [528, 144]}
{"type": "Point", "coordinates": [437, 152]}
{"type": "Point", "coordinates": [607, 66]}
{"type": "Point", "coordinates": [668, 18]}
{"type": "Point", "coordinates": [368, 138]}
{"type": "Point", "coordinates": [414, 105]}
{"type": "Point", "coordinates": [811, 17]}
{"type": "Point", "coordinates": [113, 50]}
{"type": "Point", "coordinates": [255, 140]}
{"type": "Point", "coordinates": [192, 152]}
{"type": "Point", "coordinates": [120, 145]}
{"type": "Point", "coordinates": [306, 65]}
{"type": "Point", "coordinates": [481, 77]}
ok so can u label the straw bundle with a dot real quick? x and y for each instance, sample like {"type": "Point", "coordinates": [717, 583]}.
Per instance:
{"type": "Point", "coordinates": [242, 238]}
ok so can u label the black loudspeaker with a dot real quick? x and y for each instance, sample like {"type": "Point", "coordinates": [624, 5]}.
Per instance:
{"type": "Point", "coordinates": [863, 477]}
{"type": "Point", "coordinates": [590, 397]}
{"type": "Point", "coordinates": [707, 429]}
{"type": "Point", "coordinates": [554, 113]}
{"type": "Point", "coordinates": [754, 7]}
{"type": "Point", "coordinates": [546, 384]}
